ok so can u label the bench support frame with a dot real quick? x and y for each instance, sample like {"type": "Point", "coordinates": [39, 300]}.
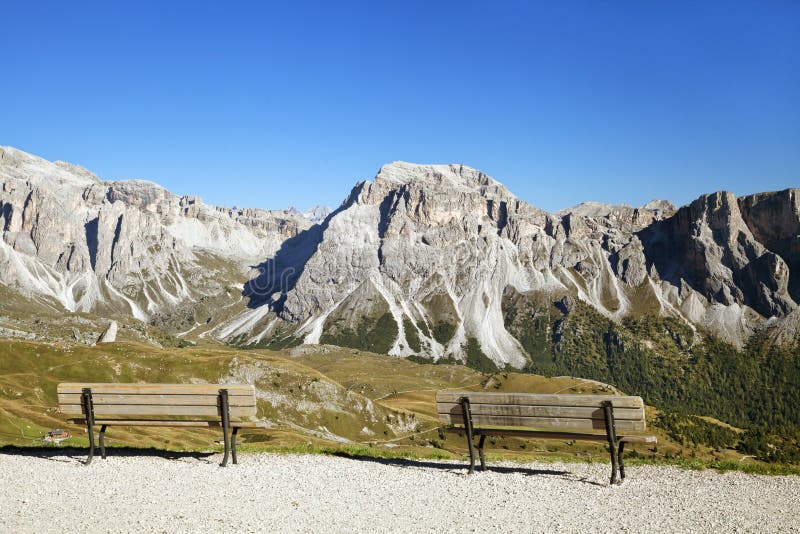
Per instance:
{"type": "Point", "coordinates": [228, 433]}
{"type": "Point", "coordinates": [102, 441]}
{"type": "Point", "coordinates": [616, 444]}
{"type": "Point", "coordinates": [468, 427]}
{"type": "Point", "coordinates": [611, 435]}
{"type": "Point", "coordinates": [227, 438]}
{"type": "Point", "coordinates": [88, 409]}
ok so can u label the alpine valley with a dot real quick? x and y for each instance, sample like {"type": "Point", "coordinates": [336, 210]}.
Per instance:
{"type": "Point", "coordinates": [695, 307]}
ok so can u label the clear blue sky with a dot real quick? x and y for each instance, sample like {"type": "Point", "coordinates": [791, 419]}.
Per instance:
{"type": "Point", "coordinates": [268, 104]}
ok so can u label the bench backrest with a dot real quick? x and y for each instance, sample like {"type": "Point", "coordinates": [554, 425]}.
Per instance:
{"type": "Point", "coordinates": [158, 400]}
{"type": "Point", "coordinates": [534, 410]}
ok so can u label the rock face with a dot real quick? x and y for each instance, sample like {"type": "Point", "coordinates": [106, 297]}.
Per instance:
{"type": "Point", "coordinates": [774, 220]}
{"type": "Point", "coordinates": [314, 215]}
{"type": "Point", "coordinates": [317, 214]}
{"type": "Point", "coordinates": [417, 261]}
{"type": "Point", "coordinates": [433, 249]}
{"type": "Point", "coordinates": [127, 247]}
{"type": "Point", "coordinates": [110, 335]}
{"type": "Point", "coordinates": [709, 246]}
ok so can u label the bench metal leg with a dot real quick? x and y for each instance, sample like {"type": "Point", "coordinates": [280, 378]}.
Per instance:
{"type": "Point", "coordinates": [233, 444]}
{"type": "Point", "coordinates": [468, 426]}
{"type": "Point", "coordinates": [621, 464]}
{"type": "Point", "coordinates": [480, 452]}
{"type": "Point", "coordinates": [88, 410]}
{"type": "Point", "coordinates": [103, 442]}
{"type": "Point", "coordinates": [227, 449]}
{"type": "Point", "coordinates": [614, 464]}
{"type": "Point", "coordinates": [90, 430]}
{"type": "Point", "coordinates": [226, 424]}
{"type": "Point", "coordinates": [471, 454]}
{"type": "Point", "coordinates": [611, 435]}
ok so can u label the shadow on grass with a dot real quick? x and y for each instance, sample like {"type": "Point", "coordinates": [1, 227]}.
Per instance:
{"type": "Point", "coordinates": [60, 454]}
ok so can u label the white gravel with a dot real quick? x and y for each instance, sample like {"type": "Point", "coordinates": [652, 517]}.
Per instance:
{"type": "Point", "coordinates": [55, 492]}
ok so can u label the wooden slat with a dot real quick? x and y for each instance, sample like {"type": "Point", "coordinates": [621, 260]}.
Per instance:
{"type": "Point", "coordinates": [542, 411]}
{"type": "Point", "coordinates": [149, 409]}
{"type": "Point", "coordinates": [167, 399]}
{"type": "Point", "coordinates": [538, 434]}
{"type": "Point", "coordinates": [540, 422]}
{"type": "Point", "coordinates": [142, 422]}
{"type": "Point", "coordinates": [157, 389]}
{"type": "Point", "coordinates": [538, 399]}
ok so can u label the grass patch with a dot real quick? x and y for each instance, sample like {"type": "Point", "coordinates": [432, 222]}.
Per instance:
{"type": "Point", "coordinates": [686, 429]}
{"type": "Point", "coordinates": [443, 332]}
{"type": "Point", "coordinates": [341, 390]}
{"type": "Point", "coordinates": [412, 336]}
{"type": "Point", "coordinates": [377, 336]}
{"type": "Point", "coordinates": [477, 360]}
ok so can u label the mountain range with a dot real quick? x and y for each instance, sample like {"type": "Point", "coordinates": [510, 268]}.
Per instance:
{"type": "Point", "coordinates": [437, 262]}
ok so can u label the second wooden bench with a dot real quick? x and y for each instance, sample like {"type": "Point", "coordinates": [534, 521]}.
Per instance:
{"type": "Point", "coordinates": [545, 416]}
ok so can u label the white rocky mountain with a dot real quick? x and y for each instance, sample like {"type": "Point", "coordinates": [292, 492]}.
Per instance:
{"type": "Point", "coordinates": [317, 214]}
{"type": "Point", "coordinates": [81, 244]}
{"type": "Point", "coordinates": [436, 248]}
{"type": "Point", "coordinates": [419, 261]}
{"type": "Point", "coordinates": [314, 215]}
{"type": "Point", "coordinates": [659, 209]}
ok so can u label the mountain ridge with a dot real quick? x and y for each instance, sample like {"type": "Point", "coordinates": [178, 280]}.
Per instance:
{"type": "Point", "coordinates": [420, 259]}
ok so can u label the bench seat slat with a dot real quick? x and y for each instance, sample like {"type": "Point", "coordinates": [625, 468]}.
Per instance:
{"type": "Point", "coordinates": [149, 409]}
{"type": "Point", "coordinates": [165, 422]}
{"type": "Point", "coordinates": [157, 389]}
{"type": "Point", "coordinates": [541, 422]}
{"type": "Point", "coordinates": [541, 411]}
{"type": "Point", "coordinates": [554, 435]}
{"type": "Point", "coordinates": [161, 399]}
{"type": "Point", "coordinates": [539, 399]}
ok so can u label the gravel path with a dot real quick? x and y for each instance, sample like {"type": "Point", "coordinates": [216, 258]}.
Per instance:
{"type": "Point", "coordinates": [54, 492]}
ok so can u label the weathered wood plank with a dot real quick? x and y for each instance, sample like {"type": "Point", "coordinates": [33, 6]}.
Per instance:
{"type": "Point", "coordinates": [176, 423]}
{"type": "Point", "coordinates": [539, 434]}
{"type": "Point", "coordinates": [157, 389]}
{"type": "Point", "coordinates": [541, 422]}
{"type": "Point", "coordinates": [538, 399]}
{"type": "Point", "coordinates": [149, 409]}
{"type": "Point", "coordinates": [542, 411]}
{"type": "Point", "coordinates": [163, 399]}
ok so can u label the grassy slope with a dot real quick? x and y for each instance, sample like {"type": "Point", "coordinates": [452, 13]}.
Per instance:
{"type": "Point", "coordinates": [661, 359]}
{"type": "Point", "coordinates": [308, 395]}
{"type": "Point", "coordinates": [292, 396]}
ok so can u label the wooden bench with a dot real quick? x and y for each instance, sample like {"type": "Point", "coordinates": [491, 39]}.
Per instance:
{"type": "Point", "coordinates": [230, 407]}
{"type": "Point", "coordinates": [543, 416]}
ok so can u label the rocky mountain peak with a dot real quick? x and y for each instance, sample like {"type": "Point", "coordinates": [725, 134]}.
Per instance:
{"type": "Point", "coordinates": [77, 170]}
{"type": "Point", "coordinates": [709, 246]}
{"type": "Point", "coordinates": [431, 260]}
{"type": "Point", "coordinates": [664, 207]}
{"type": "Point", "coordinates": [29, 168]}
{"type": "Point", "coordinates": [655, 209]}
{"type": "Point", "coordinates": [439, 248]}
{"type": "Point", "coordinates": [315, 214]}
{"type": "Point", "coordinates": [128, 247]}
{"type": "Point", "coordinates": [774, 220]}
{"type": "Point", "coordinates": [455, 178]}
{"type": "Point", "coordinates": [594, 209]}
